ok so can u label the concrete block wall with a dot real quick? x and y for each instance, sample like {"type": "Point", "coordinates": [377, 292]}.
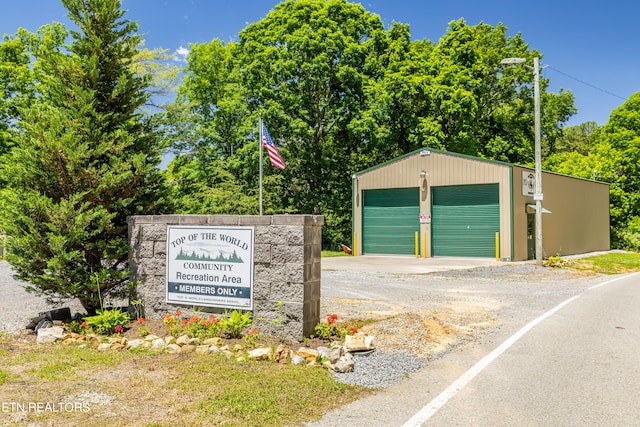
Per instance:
{"type": "Point", "coordinates": [286, 285]}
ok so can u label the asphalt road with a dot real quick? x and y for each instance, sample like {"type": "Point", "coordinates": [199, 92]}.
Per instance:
{"type": "Point", "coordinates": [579, 366]}
{"type": "Point", "coordinates": [578, 363]}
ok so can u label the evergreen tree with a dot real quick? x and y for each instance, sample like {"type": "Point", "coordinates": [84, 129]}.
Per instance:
{"type": "Point", "coordinates": [84, 159]}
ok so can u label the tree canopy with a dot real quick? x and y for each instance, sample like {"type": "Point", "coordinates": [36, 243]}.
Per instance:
{"type": "Point", "coordinates": [340, 93]}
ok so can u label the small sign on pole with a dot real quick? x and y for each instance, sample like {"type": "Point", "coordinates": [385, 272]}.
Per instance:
{"type": "Point", "coordinates": [528, 183]}
{"type": "Point", "coordinates": [425, 218]}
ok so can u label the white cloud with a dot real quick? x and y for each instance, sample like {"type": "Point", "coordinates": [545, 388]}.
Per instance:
{"type": "Point", "coordinates": [181, 54]}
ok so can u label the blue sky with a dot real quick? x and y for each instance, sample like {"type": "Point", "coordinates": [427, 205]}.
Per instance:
{"type": "Point", "coordinates": [591, 47]}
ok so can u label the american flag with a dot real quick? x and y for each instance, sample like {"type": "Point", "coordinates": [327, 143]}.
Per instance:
{"type": "Point", "coordinates": [274, 156]}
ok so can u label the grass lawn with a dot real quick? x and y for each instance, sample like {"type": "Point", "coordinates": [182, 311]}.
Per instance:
{"type": "Point", "coordinates": [73, 386]}
{"type": "Point", "coordinates": [612, 263]}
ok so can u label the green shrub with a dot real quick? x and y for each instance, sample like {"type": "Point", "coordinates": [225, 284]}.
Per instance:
{"type": "Point", "coordinates": [234, 323]}
{"type": "Point", "coordinates": [106, 322]}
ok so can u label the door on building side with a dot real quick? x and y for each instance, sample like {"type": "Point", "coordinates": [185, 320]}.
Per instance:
{"type": "Point", "coordinates": [531, 232]}
{"type": "Point", "coordinates": [465, 219]}
{"type": "Point", "coordinates": [390, 219]}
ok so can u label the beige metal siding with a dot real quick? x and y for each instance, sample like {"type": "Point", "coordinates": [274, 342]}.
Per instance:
{"type": "Point", "coordinates": [442, 169]}
{"type": "Point", "coordinates": [579, 218]}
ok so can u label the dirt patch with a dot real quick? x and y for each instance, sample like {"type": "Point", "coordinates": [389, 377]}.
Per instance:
{"type": "Point", "coordinates": [427, 333]}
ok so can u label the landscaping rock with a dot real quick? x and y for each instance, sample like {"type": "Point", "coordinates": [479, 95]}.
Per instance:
{"type": "Point", "coordinates": [202, 349]}
{"type": "Point", "coordinates": [43, 324]}
{"type": "Point", "coordinates": [335, 357]}
{"type": "Point", "coordinates": [173, 348]}
{"type": "Point", "coordinates": [187, 348]}
{"type": "Point", "coordinates": [135, 343]}
{"type": "Point", "coordinates": [48, 335]}
{"type": "Point", "coordinates": [345, 364]}
{"type": "Point", "coordinates": [358, 342]}
{"type": "Point", "coordinates": [282, 354]}
{"type": "Point", "coordinates": [322, 351]}
{"type": "Point", "coordinates": [261, 353]}
{"type": "Point", "coordinates": [158, 344]}
{"type": "Point", "coordinates": [182, 340]}
{"type": "Point", "coordinates": [308, 354]}
{"type": "Point", "coordinates": [334, 354]}
{"type": "Point", "coordinates": [118, 347]}
{"type": "Point", "coordinates": [298, 360]}
{"type": "Point", "coordinates": [217, 341]}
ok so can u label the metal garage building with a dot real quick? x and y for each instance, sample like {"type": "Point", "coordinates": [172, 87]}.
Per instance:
{"type": "Point", "coordinates": [437, 203]}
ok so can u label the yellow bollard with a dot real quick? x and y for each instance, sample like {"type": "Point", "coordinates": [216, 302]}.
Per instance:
{"type": "Point", "coordinates": [417, 246]}
{"type": "Point", "coordinates": [355, 244]}
{"type": "Point", "coordinates": [497, 246]}
{"type": "Point", "coordinates": [424, 245]}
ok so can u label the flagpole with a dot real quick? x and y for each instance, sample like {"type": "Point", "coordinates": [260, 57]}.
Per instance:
{"type": "Point", "coordinates": [260, 144]}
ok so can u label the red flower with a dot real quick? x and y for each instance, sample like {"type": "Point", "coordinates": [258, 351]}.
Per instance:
{"type": "Point", "coordinates": [331, 319]}
{"type": "Point", "coordinates": [140, 319]}
{"type": "Point", "coordinates": [353, 330]}
{"type": "Point", "coordinates": [195, 319]}
{"type": "Point", "coordinates": [178, 313]}
{"type": "Point", "coordinates": [206, 323]}
{"type": "Point", "coordinates": [119, 329]}
{"type": "Point", "coordinates": [185, 322]}
{"type": "Point", "coordinates": [212, 316]}
{"type": "Point", "coordinates": [84, 325]}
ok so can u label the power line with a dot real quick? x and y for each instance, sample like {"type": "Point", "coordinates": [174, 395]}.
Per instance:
{"type": "Point", "coordinates": [585, 83]}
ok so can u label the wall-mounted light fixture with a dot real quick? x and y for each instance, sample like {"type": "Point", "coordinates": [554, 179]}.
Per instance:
{"type": "Point", "coordinates": [423, 179]}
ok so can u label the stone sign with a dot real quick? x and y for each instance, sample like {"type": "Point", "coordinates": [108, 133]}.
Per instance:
{"type": "Point", "coordinates": [269, 265]}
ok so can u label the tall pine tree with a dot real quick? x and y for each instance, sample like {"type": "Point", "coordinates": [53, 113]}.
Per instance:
{"type": "Point", "coordinates": [85, 158]}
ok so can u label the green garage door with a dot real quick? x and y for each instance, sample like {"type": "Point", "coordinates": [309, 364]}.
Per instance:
{"type": "Point", "coordinates": [390, 220]}
{"type": "Point", "coordinates": [465, 219]}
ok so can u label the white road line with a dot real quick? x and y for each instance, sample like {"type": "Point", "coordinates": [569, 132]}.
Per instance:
{"type": "Point", "coordinates": [612, 280]}
{"type": "Point", "coordinates": [432, 407]}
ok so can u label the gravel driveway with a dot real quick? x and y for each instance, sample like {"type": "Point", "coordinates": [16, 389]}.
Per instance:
{"type": "Point", "coordinates": [426, 316]}
{"type": "Point", "coordinates": [17, 306]}
{"type": "Point", "coordinates": [504, 290]}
